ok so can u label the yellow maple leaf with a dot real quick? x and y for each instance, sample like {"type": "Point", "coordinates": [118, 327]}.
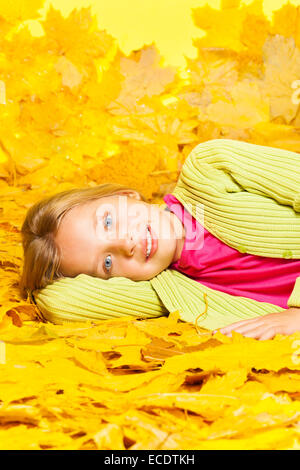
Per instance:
{"type": "Point", "coordinates": [142, 77]}
{"type": "Point", "coordinates": [286, 22]}
{"type": "Point", "coordinates": [70, 75]}
{"type": "Point", "coordinates": [76, 36]}
{"type": "Point", "coordinates": [282, 68]}
{"type": "Point", "coordinates": [18, 10]}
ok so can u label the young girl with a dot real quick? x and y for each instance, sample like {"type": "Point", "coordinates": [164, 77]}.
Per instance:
{"type": "Point", "coordinates": [229, 230]}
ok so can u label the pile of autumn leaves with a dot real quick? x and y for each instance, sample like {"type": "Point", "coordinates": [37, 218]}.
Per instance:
{"type": "Point", "coordinates": [78, 112]}
{"type": "Point", "coordinates": [150, 384]}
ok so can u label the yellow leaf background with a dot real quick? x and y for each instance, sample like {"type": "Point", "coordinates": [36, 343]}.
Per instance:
{"type": "Point", "coordinates": [75, 110]}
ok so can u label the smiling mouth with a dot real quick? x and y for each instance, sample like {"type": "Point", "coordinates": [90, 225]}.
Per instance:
{"type": "Point", "coordinates": [151, 243]}
{"type": "Point", "coordinates": [148, 243]}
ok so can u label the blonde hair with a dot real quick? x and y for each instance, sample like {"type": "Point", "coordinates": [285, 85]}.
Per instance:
{"type": "Point", "coordinates": [41, 254]}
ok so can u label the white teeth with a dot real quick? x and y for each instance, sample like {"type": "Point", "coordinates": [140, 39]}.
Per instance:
{"type": "Point", "coordinates": [149, 242]}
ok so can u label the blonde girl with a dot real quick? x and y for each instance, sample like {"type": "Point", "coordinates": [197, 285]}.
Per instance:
{"type": "Point", "coordinates": [230, 228]}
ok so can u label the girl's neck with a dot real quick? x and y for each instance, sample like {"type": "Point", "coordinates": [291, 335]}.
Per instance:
{"type": "Point", "coordinates": [180, 234]}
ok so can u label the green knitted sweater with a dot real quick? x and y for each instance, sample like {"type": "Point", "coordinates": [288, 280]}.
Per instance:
{"type": "Point", "coordinates": [251, 199]}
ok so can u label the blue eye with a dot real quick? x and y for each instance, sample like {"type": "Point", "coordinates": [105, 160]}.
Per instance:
{"type": "Point", "coordinates": [107, 267]}
{"type": "Point", "coordinates": [107, 217]}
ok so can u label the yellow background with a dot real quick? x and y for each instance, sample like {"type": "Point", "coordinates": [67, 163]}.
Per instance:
{"type": "Point", "coordinates": [137, 22]}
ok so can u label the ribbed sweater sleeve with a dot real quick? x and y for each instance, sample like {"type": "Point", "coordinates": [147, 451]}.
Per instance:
{"type": "Point", "coordinates": [218, 309]}
{"type": "Point", "coordinates": [258, 169]}
{"type": "Point", "coordinates": [86, 297]}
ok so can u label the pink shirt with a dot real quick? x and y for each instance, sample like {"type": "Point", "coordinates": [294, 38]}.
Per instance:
{"type": "Point", "coordinates": [213, 263]}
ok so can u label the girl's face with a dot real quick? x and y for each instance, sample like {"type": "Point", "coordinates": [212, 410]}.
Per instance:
{"type": "Point", "coordinates": [107, 237]}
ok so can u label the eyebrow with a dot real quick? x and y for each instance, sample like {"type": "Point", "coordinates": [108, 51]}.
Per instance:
{"type": "Point", "coordinates": [106, 276]}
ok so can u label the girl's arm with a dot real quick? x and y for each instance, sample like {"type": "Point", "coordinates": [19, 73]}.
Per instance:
{"type": "Point", "coordinates": [85, 298]}
{"type": "Point", "coordinates": [258, 169]}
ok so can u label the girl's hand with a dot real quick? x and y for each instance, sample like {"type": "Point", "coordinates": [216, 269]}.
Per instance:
{"type": "Point", "coordinates": [267, 326]}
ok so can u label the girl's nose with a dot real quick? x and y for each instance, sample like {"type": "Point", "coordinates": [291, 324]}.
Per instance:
{"type": "Point", "coordinates": [126, 245]}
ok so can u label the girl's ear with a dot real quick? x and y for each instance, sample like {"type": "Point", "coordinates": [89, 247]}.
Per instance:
{"type": "Point", "coordinates": [130, 193]}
